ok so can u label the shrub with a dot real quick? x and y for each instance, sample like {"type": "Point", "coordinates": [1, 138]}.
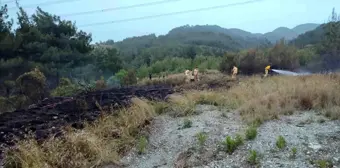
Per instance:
{"type": "Point", "coordinates": [33, 85]}
{"type": "Point", "coordinates": [101, 84]}
{"type": "Point", "coordinates": [65, 88]}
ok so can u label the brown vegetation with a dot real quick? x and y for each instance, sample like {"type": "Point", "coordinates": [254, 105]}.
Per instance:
{"type": "Point", "coordinates": [98, 143]}
{"type": "Point", "coordinates": [263, 99]}
{"type": "Point", "coordinates": [257, 99]}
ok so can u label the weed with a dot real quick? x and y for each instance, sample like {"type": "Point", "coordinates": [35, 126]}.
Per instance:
{"type": "Point", "coordinates": [230, 145]}
{"type": "Point", "coordinates": [181, 106]}
{"type": "Point", "coordinates": [281, 142]}
{"type": "Point", "coordinates": [251, 133]}
{"type": "Point", "coordinates": [239, 140]}
{"type": "Point", "coordinates": [294, 151]}
{"type": "Point", "coordinates": [160, 107]}
{"type": "Point", "coordinates": [324, 164]}
{"type": "Point", "coordinates": [253, 158]}
{"type": "Point", "coordinates": [202, 138]}
{"type": "Point", "coordinates": [142, 143]}
{"type": "Point", "coordinates": [187, 123]}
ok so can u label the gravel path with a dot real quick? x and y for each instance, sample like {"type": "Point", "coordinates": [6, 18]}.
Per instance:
{"type": "Point", "coordinates": [313, 136]}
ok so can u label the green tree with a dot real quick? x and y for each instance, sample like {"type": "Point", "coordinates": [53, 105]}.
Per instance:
{"type": "Point", "coordinates": [228, 61]}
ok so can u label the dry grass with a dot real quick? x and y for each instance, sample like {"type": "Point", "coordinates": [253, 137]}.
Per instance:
{"type": "Point", "coordinates": [173, 80]}
{"type": "Point", "coordinates": [263, 99]}
{"type": "Point", "coordinates": [180, 106]}
{"type": "Point", "coordinates": [99, 143]}
{"type": "Point", "coordinates": [209, 79]}
{"type": "Point", "coordinates": [269, 98]}
{"type": "Point", "coordinates": [104, 141]}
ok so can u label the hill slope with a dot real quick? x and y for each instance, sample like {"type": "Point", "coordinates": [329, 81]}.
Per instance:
{"type": "Point", "coordinates": [187, 41]}
{"type": "Point", "coordinates": [311, 37]}
{"type": "Point", "coordinates": [289, 34]}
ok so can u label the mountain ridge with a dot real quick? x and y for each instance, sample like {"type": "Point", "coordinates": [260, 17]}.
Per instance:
{"type": "Point", "coordinates": [272, 36]}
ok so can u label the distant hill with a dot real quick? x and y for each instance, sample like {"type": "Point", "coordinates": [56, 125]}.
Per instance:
{"type": "Point", "coordinates": [186, 41]}
{"type": "Point", "coordinates": [243, 38]}
{"type": "Point", "coordinates": [310, 38]}
{"type": "Point", "coordinates": [289, 34]}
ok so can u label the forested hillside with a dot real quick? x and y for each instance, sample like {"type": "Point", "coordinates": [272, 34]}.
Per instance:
{"type": "Point", "coordinates": [207, 40]}
{"type": "Point", "coordinates": [289, 34]}
{"type": "Point", "coordinates": [185, 42]}
{"type": "Point", "coordinates": [316, 51]}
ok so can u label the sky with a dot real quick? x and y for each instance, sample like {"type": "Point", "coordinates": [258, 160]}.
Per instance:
{"type": "Point", "coordinates": [257, 17]}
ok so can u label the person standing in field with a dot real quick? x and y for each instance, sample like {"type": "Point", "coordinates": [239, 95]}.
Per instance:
{"type": "Point", "coordinates": [266, 70]}
{"type": "Point", "coordinates": [196, 74]}
{"type": "Point", "coordinates": [234, 72]}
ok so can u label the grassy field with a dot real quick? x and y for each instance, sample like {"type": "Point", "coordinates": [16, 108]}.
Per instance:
{"type": "Point", "coordinates": [256, 99]}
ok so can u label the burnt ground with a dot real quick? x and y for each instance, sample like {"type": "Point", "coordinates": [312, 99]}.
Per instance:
{"type": "Point", "coordinates": [48, 117]}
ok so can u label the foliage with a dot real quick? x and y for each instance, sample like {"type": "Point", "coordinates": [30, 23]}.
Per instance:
{"type": "Point", "coordinates": [142, 143]}
{"type": "Point", "coordinates": [294, 151]}
{"type": "Point", "coordinates": [121, 74]}
{"type": "Point", "coordinates": [113, 81]}
{"type": "Point", "coordinates": [253, 157]}
{"type": "Point", "coordinates": [202, 138]}
{"type": "Point", "coordinates": [130, 77]}
{"type": "Point", "coordinates": [251, 133]}
{"type": "Point", "coordinates": [280, 142]}
{"type": "Point", "coordinates": [65, 88]}
{"type": "Point", "coordinates": [187, 123]}
{"type": "Point", "coordinates": [106, 59]}
{"type": "Point", "coordinates": [230, 144]}
{"type": "Point", "coordinates": [101, 84]}
{"type": "Point", "coordinates": [33, 85]}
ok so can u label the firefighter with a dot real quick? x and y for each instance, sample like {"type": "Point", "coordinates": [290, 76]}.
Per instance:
{"type": "Point", "coordinates": [266, 70]}
{"type": "Point", "coordinates": [187, 75]}
{"type": "Point", "coordinates": [196, 74]}
{"type": "Point", "coordinates": [234, 72]}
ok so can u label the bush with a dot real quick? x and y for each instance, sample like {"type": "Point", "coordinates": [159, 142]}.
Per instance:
{"type": "Point", "coordinates": [65, 88]}
{"type": "Point", "coordinates": [33, 85]}
{"type": "Point", "coordinates": [100, 84]}
{"type": "Point", "coordinates": [113, 81]}
{"type": "Point", "coordinates": [130, 78]}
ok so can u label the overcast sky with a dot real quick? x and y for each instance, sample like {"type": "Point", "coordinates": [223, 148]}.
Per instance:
{"type": "Point", "coordinates": [257, 17]}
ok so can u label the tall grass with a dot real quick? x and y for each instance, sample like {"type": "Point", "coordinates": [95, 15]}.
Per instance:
{"type": "Point", "coordinates": [263, 99]}
{"type": "Point", "coordinates": [268, 98]}
{"type": "Point", "coordinates": [98, 143]}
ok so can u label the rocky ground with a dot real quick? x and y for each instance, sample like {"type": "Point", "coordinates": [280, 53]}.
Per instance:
{"type": "Point", "coordinates": [316, 139]}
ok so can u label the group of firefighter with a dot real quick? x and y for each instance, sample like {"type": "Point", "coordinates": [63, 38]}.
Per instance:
{"type": "Point", "coordinates": [234, 71]}
{"type": "Point", "coordinates": [193, 75]}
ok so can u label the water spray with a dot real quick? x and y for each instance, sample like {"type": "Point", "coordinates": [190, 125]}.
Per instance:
{"type": "Point", "coordinates": [290, 73]}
